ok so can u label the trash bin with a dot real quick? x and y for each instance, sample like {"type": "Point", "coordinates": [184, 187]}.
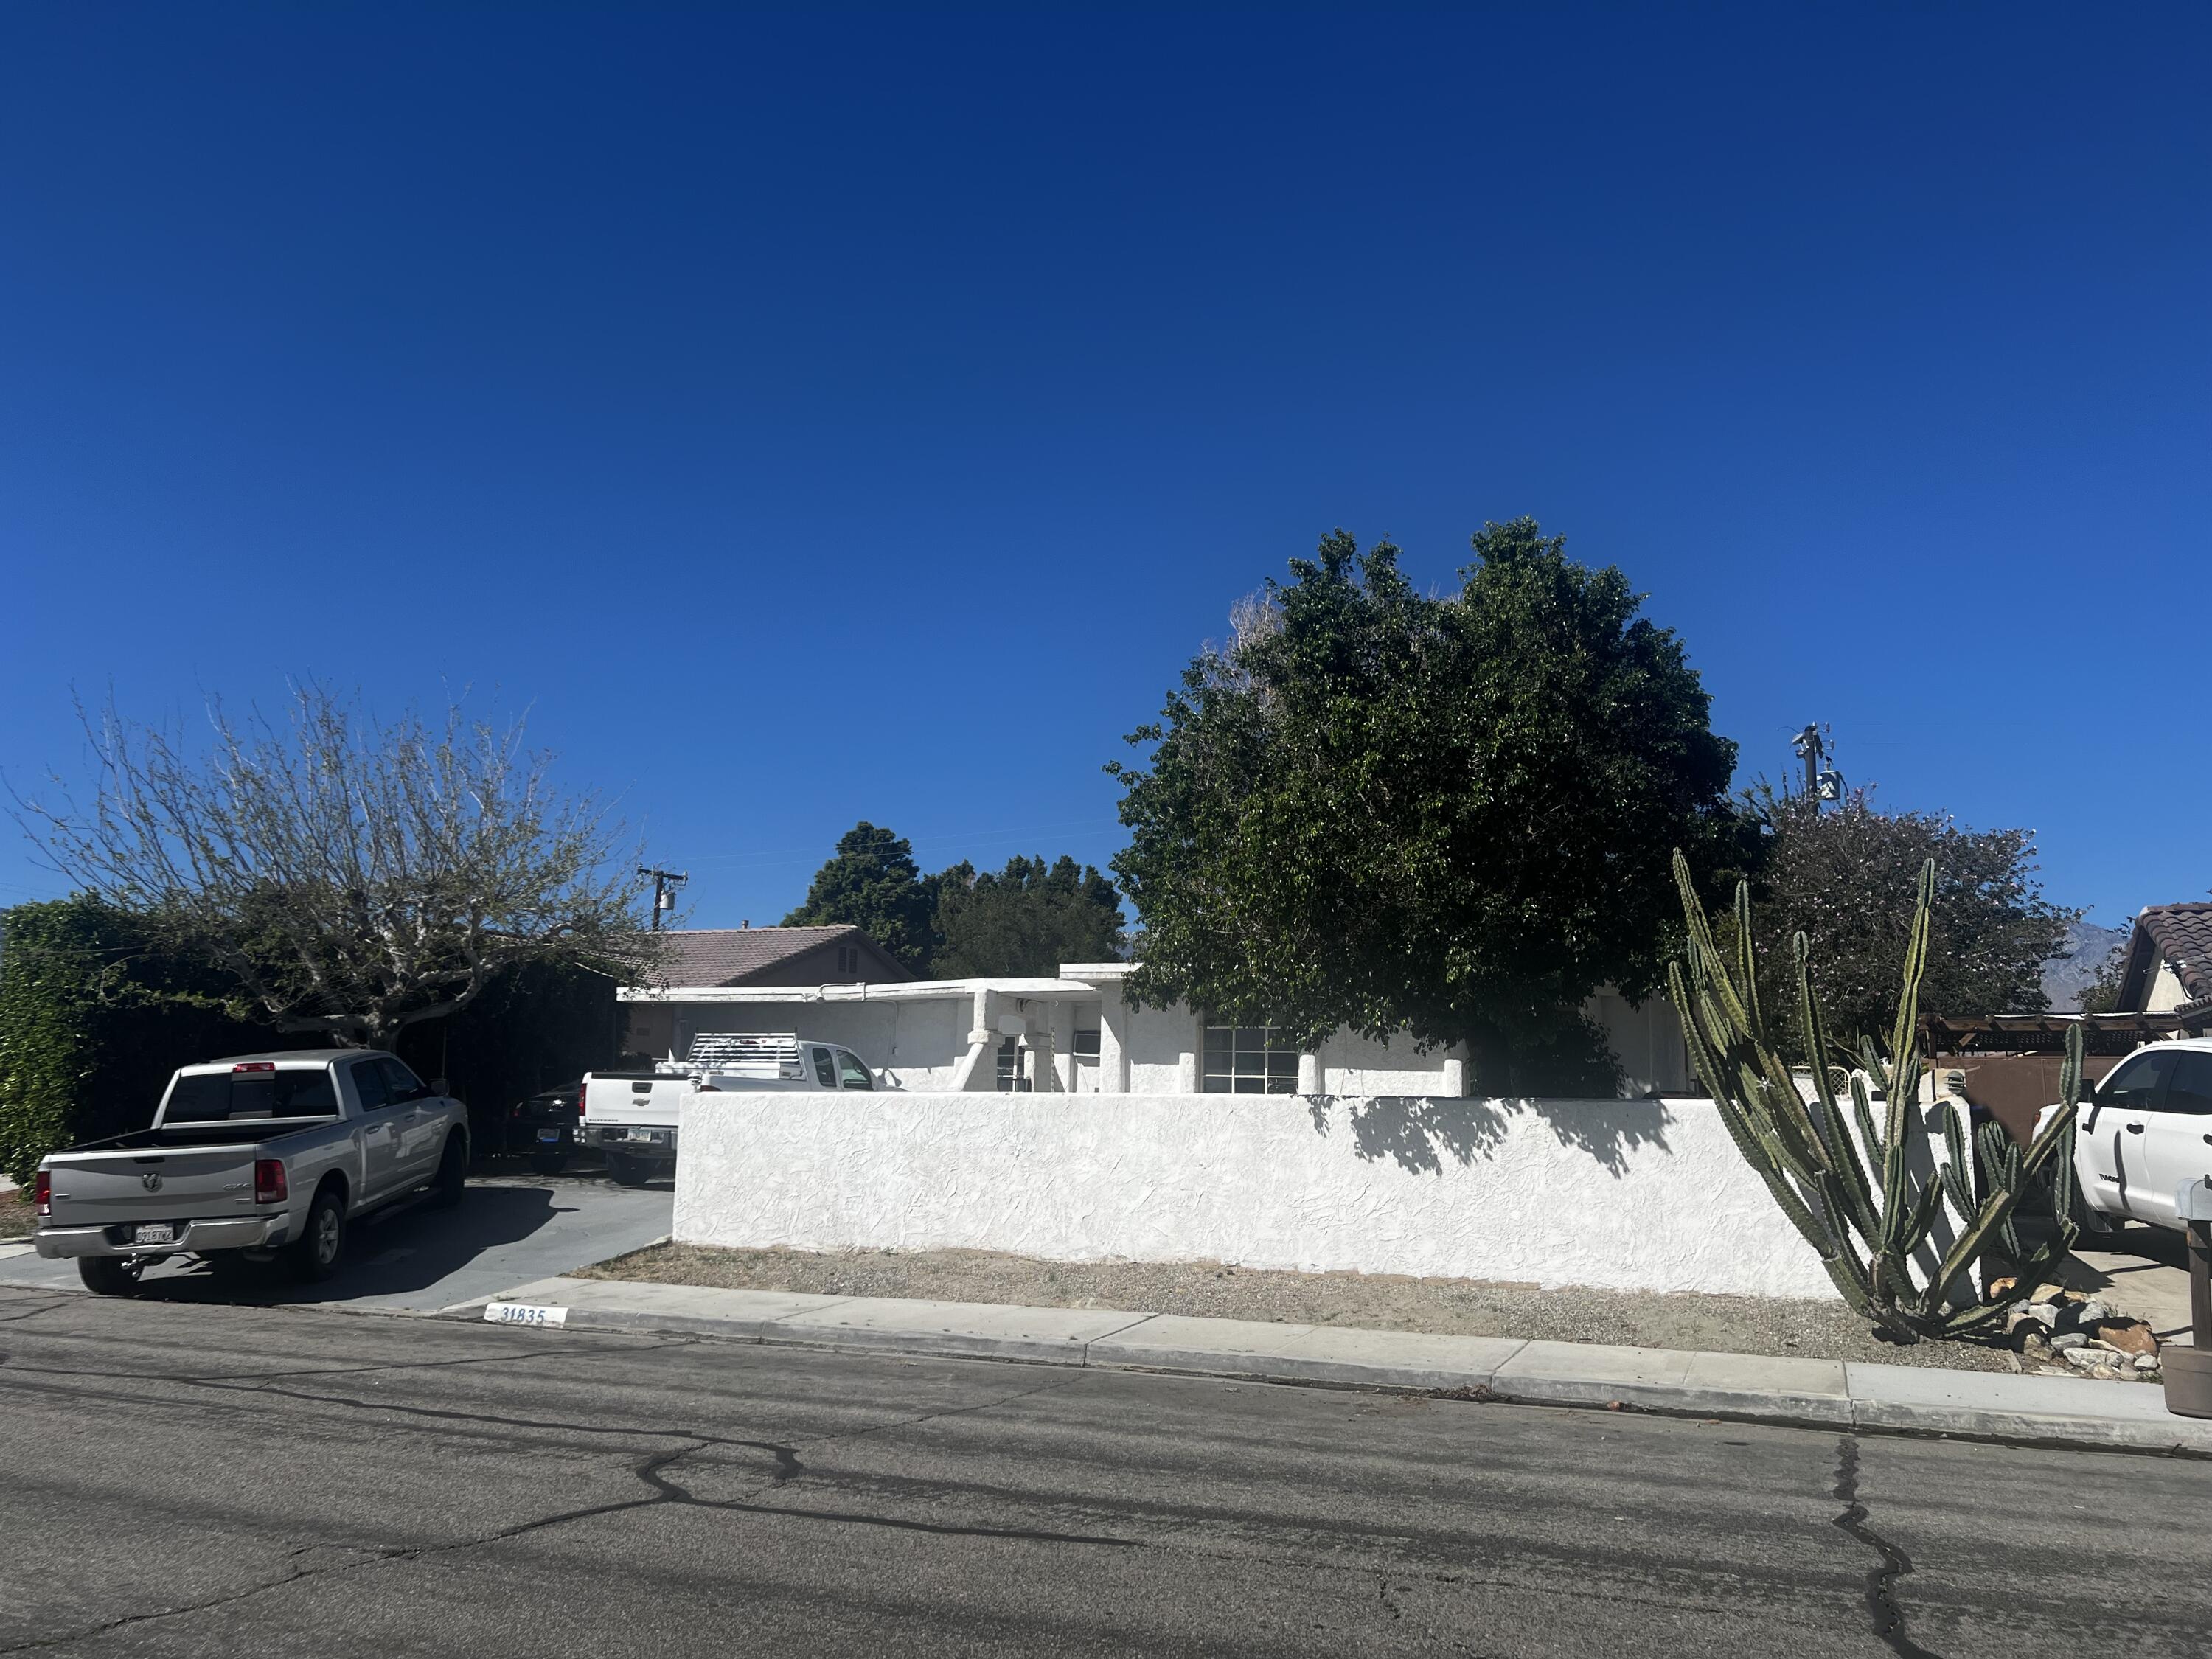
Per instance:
{"type": "Point", "coordinates": [2188, 1372]}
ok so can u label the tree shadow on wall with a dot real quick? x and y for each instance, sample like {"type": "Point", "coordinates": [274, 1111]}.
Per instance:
{"type": "Point", "coordinates": [1417, 1132]}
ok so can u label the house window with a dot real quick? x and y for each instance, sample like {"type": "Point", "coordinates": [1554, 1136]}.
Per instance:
{"type": "Point", "coordinates": [1086, 1046]}
{"type": "Point", "coordinates": [1012, 1079]}
{"type": "Point", "coordinates": [848, 960]}
{"type": "Point", "coordinates": [1249, 1060]}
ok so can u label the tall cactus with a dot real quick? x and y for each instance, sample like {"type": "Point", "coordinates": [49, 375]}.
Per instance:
{"type": "Point", "coordinates": [1867, 1194]}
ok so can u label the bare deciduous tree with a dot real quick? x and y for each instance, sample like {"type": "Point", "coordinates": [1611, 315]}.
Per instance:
{"type": "Point", "coordinates": [352, 877]}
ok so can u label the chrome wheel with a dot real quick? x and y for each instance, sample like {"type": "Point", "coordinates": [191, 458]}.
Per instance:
{"type": "Point", "coordinates": [328, 1228]}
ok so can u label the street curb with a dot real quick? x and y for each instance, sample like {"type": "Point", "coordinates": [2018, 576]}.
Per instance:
{"type": "Point", "coordinates": [2010, 1410]}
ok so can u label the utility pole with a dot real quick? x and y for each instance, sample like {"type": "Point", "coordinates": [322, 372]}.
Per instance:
{"type": "Point", "coordinates": [1809, 746]}
{"type": "Point", "coordinates": [664, 884]}
{"type": "Point", "coordinates": [1822, 783]}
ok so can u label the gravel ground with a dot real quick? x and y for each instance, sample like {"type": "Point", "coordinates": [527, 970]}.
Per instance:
{"type": "Point", "coordinates": [1450, 1307]}
{"type": "Point", "coordinates": [17, 1216]}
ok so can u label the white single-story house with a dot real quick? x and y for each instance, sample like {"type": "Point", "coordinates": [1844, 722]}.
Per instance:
{"type": "Point", "coordinates": [1078, 1034]}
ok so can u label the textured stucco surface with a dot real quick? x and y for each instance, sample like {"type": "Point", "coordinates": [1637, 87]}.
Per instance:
{"type": "Point", "coordinates": [1620, 1194]}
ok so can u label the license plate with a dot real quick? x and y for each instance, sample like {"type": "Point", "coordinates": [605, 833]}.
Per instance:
{"type": "Point", "coordinates": [154, 1232]}
{"type": "Point", "coordinates": [549, 1137]}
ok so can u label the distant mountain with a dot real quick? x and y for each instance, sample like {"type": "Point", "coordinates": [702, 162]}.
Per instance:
{"type": "Point", "coordinates": [2066, 976]}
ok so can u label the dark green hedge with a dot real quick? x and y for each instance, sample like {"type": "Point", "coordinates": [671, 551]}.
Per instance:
{"type": "Point", "coordinates": [91, 1023]}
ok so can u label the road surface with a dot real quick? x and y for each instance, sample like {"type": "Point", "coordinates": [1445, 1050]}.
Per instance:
{"type": "Point", "coordinates": [186, 1478]}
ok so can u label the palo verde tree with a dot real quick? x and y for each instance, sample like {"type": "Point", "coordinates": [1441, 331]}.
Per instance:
{"type": "Point", "coordinates": [1447, 817]}
{"type": "Point", "coordinates": [347, 877]}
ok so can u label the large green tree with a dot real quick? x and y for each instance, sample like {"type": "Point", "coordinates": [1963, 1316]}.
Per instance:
{"type": "Point", "coordinates": [873, 882]}
{"type": "Point", "coordinates": [1844, 876]}
{"type": "Point", "coordinates": [1450, 816]}
{"type": "Point", "coordinates": [1025, 920]}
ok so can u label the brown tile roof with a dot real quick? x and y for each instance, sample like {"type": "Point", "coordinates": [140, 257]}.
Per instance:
{"type": "Point", "coordinates": [2182, 934]}
{"type": "Point", "coordinates": [730, 956]}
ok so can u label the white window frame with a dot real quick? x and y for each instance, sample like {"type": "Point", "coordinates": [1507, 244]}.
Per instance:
{"type": "Point", "coordinates": [1256, 1060]}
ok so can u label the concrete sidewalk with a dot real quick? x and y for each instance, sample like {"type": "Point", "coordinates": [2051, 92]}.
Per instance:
{"type": "Point", "coordinates": [1994, 1405]}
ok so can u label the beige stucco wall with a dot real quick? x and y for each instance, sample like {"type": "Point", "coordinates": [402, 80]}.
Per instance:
{"type": "Point", "coordinates": [2166, 994]}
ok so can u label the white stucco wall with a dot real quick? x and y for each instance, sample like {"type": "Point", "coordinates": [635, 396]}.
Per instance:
{"type": "Point", "coordinates": [1354, 1065]}
{"type": "Point", "coordinates": [1163, 1050]}
{"type": "Point", "coordinates": [1621, 1194]}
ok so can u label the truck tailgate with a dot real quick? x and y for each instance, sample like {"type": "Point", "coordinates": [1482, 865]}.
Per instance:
{"type": "Point", "coordinates": [97, 1189]}
{"type": "Point", "coordinates": [636, 1101]}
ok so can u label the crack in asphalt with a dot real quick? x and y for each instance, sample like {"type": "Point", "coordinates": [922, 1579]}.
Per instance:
{"type": "Point", "coordinates": [1382, 1595]}
{"type": "Point", "coordinates": [1882, 1606]}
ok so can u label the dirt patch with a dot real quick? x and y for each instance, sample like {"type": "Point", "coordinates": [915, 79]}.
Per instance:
{"type": "Point", "coordinates": [19, 1217]}
{"type": "Point", "coordinates": [1208, 1290]}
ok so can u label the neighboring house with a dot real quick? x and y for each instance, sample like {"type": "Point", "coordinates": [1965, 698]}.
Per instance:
{"type": "Point", "coordinates": [723, 957]}
{"type": "Point", "coordinates": [2168, 968]}
{"type": "Point", "coordinates": [1078, 1034]}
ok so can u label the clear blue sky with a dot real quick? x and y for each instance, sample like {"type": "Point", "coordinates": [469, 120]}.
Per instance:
{"type": "Point", "coordinates": [821, 416]}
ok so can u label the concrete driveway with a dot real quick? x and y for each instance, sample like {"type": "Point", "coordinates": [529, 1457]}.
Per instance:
{"type": "Point", "coordinates": [510, 1230]}
{"type": "Point", "coordinates": [2145, 1272]}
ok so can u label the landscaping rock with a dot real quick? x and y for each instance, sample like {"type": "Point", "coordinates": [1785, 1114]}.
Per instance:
{"type": "Point", "coordinates": [2049, 1293]}
{"type": "Point", "coordinates": [2043, 1314]}
{"type": "Point", "coordinates": [2068, 1341]}
{"type": "Point", "coordinates": [2147, 1362]}
{"type": "Point", "coordinates": [2092, 1312]}
{"type": "Point", "coordinates": [2129, 1336]}
{"type": "Point", "coordinates": [2084, 1358]}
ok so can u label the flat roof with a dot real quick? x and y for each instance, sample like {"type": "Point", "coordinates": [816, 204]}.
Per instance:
{"type": "Point", "coordinates": [921, 990]}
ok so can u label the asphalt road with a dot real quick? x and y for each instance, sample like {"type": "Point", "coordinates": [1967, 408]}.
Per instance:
{"type": "Point", "coordinates": [511, 1229]}
{"type": "Point", "coordinates": [197, 1479]}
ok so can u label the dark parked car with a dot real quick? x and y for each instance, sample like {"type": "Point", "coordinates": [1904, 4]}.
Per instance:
{"type": "Point", "coordinates": [544, 1126]}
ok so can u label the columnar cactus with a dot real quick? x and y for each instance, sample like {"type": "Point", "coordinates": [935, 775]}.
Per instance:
{"type": "Point", "coordinates": [1870, 1197]}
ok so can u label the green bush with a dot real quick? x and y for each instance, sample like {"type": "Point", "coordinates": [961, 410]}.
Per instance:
{"type": "Point", "coordinates": [91, 1025]}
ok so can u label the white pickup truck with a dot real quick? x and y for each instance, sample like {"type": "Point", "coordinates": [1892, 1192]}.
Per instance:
{"type": "Point", "coordinates": [634, 1120]}
{"type": "Point", "coordinates": [260, 1157]}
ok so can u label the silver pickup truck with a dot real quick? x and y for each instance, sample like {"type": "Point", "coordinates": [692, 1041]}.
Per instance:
{"type": "Point", "coordinates": [260, 1156]}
